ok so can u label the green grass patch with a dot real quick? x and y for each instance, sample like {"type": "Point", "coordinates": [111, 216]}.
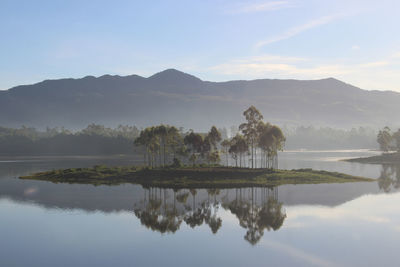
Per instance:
{"type": "Point", "coordinates": [192, 177]}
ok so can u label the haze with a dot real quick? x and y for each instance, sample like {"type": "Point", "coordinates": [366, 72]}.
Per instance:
{"type": "Point", "coordinates": [199, 133]}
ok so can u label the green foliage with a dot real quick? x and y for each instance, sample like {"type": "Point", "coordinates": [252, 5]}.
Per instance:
{"type": "Point", "coordinates": [160, 144]}
{"type": "Point", "coordinates": [384, 139]}
{"type": "Point", "coordinates": [249, 129]}
{"type": "Point", "coordinates": [396, 139]}
{"type": "Point", "coordinates": [192, 177]}
{"type": "Point", "coordinates": [238, 146]}
{"type": "Point", "coordinates": [388, 141]}
{"type": "Point", "coordinates": [176, 163]}
{"type": "Point", "coordinates": [195, 144]}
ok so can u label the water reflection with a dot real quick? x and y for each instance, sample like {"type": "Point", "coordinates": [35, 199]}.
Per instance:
{"type": "Point", "coordinates": [255, 217]}
{"type": "Point", "coordinates": [257, 209]}
{"type": "Point", "coordinates": [355, 224]}
{"type": "Point", "coordinates": [389, 180]}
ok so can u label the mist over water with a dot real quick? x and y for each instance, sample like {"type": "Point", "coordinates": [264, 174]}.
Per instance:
{"type": "Point", "coordinates": [129, 225]}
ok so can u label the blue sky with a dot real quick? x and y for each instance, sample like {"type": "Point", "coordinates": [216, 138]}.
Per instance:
{"type": "Point", "coordinates": [354, 41]}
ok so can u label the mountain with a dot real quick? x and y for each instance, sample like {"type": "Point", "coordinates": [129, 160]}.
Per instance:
{"type": "Point", "coordinates": [181, 99]}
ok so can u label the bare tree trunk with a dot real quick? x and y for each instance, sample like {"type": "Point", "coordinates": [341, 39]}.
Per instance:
{"type": "Point", "coordinates": [255, 157]}
{"type": "Point", "coordinates": [164, 152]}
{"type": "Point", "coordinates": [252, 154]}
{"type": "Point", "coordinates": [277, 162]}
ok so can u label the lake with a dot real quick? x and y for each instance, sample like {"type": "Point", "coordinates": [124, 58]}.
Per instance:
{"type": "Point", "coordinates": [353, 224]}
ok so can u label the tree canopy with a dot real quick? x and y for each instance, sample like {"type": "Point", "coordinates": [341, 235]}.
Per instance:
{"type": "Point", "coordinates": [163, 145]}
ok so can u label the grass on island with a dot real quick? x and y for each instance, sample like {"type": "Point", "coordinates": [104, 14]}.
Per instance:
{"type": "Point", "coordinates": [192, 177]}
{"type": "Point", "coordinates": [386, 158]}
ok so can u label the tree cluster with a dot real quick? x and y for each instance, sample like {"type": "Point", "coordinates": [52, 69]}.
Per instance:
{"type": "Point", "coordinates": [164, 145]}
{"type": "Point", "coordinates": [388, 141]}
{"type": "Point", "coordinates": [257, 136]}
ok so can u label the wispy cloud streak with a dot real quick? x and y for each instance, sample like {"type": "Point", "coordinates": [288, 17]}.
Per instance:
{"type": "Point", "coordinates": [299, 29]}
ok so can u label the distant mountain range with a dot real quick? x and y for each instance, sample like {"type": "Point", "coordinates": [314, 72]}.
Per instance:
{"type": "Point", "coordinates": [177, 98]}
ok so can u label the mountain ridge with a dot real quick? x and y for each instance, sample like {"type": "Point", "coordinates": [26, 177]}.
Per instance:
{"type": "Point", "coordinates": [104, 76]}
{"type": "Point", "coordinates": [179, 98]}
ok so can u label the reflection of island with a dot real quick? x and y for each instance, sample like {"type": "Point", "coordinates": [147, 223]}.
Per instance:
{"type": "Point", "coordinates": [257, 209]}
{"type": "Point", "coordinates": [258, 217]}
{"type": "Point", "coordinates": [389, 178]}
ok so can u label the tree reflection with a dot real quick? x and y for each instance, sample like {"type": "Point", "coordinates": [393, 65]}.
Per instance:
{"type": "Point", "coordinates": [256, 217]}
{"type": "Point", "coordinates": [257, 209]}
{"type": "Point", "coordinates": [389, 178]}
{"type": "Point", "coordinates": [156, 214]}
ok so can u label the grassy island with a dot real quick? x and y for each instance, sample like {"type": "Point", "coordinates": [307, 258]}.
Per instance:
{"type": "Point", "coordinates": [192, 176]}
{"type": "Point", "coordinates": [387, 158]}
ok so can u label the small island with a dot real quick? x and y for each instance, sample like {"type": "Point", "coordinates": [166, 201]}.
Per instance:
{"type": "Point", "coordinates": [386, 158]}
{"type": "Point", "coordinates": [177, 159]}
{"type": "Point", "coordinates": [387, 141]}
{"type": "Point", "coordinates": [186, 177]}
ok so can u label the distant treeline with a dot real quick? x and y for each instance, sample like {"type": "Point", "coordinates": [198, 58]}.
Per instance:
{"type": "Point", "coordinates": [100, 140]}
{"type": "Point", "coordinates": [329, 138]}
{"type": "Point", "coordinates": [93, 140]}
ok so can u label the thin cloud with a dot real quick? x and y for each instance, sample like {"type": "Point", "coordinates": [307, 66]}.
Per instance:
{"type": "Point", "coordinates": [300, 29]}
{"type": "Point", "coordinates": [259, 68]}
{"type": "Point", "coordinates": [369, 75]}
{"type": "Point", "coordinates": [260, 7]}
{"type": "Point", "coordinates": [271, 58]}
{"type": "Point", "coordinates": [278, 66]}
{"type": "Point", "coordinates": [374, 64]}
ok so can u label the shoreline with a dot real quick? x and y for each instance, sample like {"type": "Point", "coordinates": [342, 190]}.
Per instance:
{"type": "Point", "coordinates": [186, 177]}
{"type": "Point", "coordinates": [387, 158]}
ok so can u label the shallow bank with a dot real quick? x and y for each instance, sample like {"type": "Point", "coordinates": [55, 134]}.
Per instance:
{"type": "Point", "coordinates": [388, 158]}
{"type": "Point", "coordinates": [192, 177]}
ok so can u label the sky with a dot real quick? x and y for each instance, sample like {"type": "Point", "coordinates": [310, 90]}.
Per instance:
{"type": "Point", "coordinates": [356, 41]}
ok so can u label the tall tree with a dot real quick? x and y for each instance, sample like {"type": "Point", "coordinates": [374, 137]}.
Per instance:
{"type": "Point", "coordinates": [147, 139]}
{"type": "Point", "coordinates": [162, 133]}
{"type": "Point", "coordinates": [194, 141]}
{"type": "Point", "coordinates": [225, 147]}
{"type": "Point", "coordinates": [210, 145]}
{"type": "Point", "coordinates": [249, 129]}
{"type": "Point", "coordinates": [175, 141]}
{"type": "Point", "coordinates": [396, 138]}
{"type": "Point", "coordinates": [384, 139]}
{"type": "Point", "coordinates": [238, 147]}
{"type": "Point", "coordinates": [214, 136]}
{"type": "Point", "coordinates": [233, 150]}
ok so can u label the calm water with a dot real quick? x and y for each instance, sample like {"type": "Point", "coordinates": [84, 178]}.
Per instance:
{"type": "Point", "coordinates": [46, 224]}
